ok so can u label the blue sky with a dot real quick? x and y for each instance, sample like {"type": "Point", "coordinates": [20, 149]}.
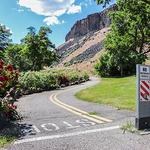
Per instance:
{"type": "Point", "coordinates": [59, 15]}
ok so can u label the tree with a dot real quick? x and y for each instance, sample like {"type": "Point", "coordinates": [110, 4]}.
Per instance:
{"type": "Point", "coordinates": [8, 80]}
{"type": "Point", "coordinates": [104, 2]}
{"type": "Point", "coordinates": [47, 48]}
{"type": "Point", "coordinates": [38, 48]}
{"type": "Point", "coordinates": [4, 38]}
{"type": "Point", "coordinates": [14, 55]}
{"type": "Point", "coordinates": [129, 40]}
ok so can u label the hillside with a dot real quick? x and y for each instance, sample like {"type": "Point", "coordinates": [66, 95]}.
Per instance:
{"type": "Point", "coordinates": [84, 42]}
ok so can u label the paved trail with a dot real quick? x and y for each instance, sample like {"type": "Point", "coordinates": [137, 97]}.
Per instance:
{"type": "Point", "coordinates": [56, 120]}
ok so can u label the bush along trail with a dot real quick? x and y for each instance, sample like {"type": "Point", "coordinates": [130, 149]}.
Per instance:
{"type": "Point", "coordinates": [8, 89]}
{"type": "Point", "coordinates": [44, 80]}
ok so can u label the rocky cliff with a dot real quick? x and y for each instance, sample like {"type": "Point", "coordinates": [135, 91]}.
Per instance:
{"type": "Point", "coordinates": [84, 42]}
{"type": "Point", "coordinates": [92, 23]}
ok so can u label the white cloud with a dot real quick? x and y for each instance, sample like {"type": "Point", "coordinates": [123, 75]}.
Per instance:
{"type": "Point", "coordinates": [51, 9]}
{"type": "Point", "coordinates": [74, 9]}
{"type": "Point", "coordinates": [20, 10]}
{"type": "Point", "coordinates": [52, 20]}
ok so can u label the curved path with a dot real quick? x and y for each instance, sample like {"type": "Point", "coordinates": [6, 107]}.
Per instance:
{"type": "Point", "coordinates": [56, 120]}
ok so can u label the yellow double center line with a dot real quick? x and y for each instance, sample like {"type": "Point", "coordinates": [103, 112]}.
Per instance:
{"type": "Point", "coordinates": [77, 111]}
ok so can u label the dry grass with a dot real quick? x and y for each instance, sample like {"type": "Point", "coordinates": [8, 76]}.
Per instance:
{"type": "Point", "coordinates": [99, 36]}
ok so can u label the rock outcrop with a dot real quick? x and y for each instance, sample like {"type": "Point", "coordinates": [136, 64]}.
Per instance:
{"type": "Point", "coordinates": [92, 23]}
{"type": "Point", "coordinates": [83, 49]}
{"type": "Point", "coordinates": [84, 42]}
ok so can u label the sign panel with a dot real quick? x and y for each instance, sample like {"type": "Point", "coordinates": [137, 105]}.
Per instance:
{"type": "Point", "coordinates": [145, 76]}
{"type": "Point", "coordinates": [143, 97]}
{"type": "Point", "coordinates": [144, 69]}
{"type": "Point", "coordinates": [145, 90]}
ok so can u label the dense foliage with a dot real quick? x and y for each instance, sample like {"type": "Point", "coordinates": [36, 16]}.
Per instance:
{"type": "Point", "coordinates": [34, 52]}
{"type": "Point", "coordinates": [106, 66]}
{"type": "Point", "coordinates": [14, 55]}
{"type": "Point", "coordinates": [33, 81]}
{"type": "Point", "coordinates": [105, 2]}
{"type": "Point", "coordinates": [129, 40]}
{"type": "Point", "coordinates": [8, 82]}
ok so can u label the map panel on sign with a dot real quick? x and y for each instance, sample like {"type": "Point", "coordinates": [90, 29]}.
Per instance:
{"type": "Point", "coordinates": [144, 69]}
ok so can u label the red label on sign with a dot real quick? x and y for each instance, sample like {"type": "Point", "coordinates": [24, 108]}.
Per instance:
{"type": "Point", "coordinates": [144, 90]}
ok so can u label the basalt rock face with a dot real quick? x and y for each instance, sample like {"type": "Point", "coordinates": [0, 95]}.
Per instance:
{"type": "Point", "coordinates": [92, 23]}
{"type": "Point", "coordinates": [84, 42]}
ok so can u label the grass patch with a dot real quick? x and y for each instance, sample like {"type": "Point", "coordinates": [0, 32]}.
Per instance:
{"type": "Point", "coordinates": [6, 140]}
{"type": "Point", "coordinates": [129, 126]}
{"type": "Point", "coordinates": [116, 92]}
{"type": "Point", "coordinates": [11, 132]}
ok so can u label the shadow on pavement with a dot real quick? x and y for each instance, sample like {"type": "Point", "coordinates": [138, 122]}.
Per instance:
{"type": "Point", "coordinates": [18, 130]}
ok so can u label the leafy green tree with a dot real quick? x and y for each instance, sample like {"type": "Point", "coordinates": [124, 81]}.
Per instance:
{"type": "Point", "coordinates": [14, 55]}
{"type": "Point", "coordinates": [104, 2]}
{"type": "Point", "coordinates": [129, 40]}
{"type": "Point", "coordinates": [8, 81]}
{"type": "Point", "coordinates": [47, 48]}
{"type": "Point", "coordinates": [107, 66]}
{"type": "Point", "coordinates": [38, 48]}
{"type": "Point", "coordinates": [4, 38]}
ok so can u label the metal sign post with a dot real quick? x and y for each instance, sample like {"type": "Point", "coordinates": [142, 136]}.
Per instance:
{"type": "Point", "coordinates": [143, 97]}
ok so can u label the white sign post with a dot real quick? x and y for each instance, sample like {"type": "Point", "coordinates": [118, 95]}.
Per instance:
{"type": "Point", "coordinates": [143, 97]}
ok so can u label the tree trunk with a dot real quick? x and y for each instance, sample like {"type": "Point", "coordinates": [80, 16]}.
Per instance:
{"type": "Point", "coordinates": [142, 40]}
{"type": "Point", "coordinates": [121, 70]}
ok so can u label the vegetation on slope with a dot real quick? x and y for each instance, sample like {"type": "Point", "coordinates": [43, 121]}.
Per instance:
{"type": "Point", "coordinates": [128, 43]}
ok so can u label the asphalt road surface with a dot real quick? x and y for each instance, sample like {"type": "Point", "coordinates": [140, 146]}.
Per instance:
{"type": "Point", "coordinates": [56, 120]}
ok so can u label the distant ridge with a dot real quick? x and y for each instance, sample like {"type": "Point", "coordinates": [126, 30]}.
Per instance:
{"type": "Point", "coordinates": [92, 23]}
{"type": "Point", "coordinates": [84, 42]}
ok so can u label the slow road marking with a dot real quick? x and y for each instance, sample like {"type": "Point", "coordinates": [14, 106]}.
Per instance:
{"type": "Point", "coordinates": [49, 127]}
{"type": "Point", "coordinates": [77, 111]}
{"type": "Point", "coordinates": [66, 135]}
{"type": "Point", "coordinates": [54, 127]}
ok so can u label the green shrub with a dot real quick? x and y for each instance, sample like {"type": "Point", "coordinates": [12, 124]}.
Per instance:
{"type": "Point", "coordinates": [74, 77]}
{"type": "Point", "coordinates": [106, 66]}
{"type": "Point", "coordinates": [110, 65]}
{"type": "Point", "coordinates": [8, 90]}
{"type": "Point", "coordinates": [85, 76]}
{"type": "Point", "coordinates": [31, 82]}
